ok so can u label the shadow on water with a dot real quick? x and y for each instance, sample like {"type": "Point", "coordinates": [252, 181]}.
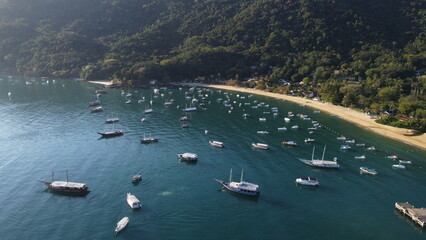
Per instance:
{"type": "Point", "coordinates": [66, 194]}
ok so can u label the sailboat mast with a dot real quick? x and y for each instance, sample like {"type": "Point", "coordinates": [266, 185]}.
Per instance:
{"type": "Point", "coordinates": [230, 176]}
{"type": "Point", "coordinates": [242, 173]}
{"type": "Point", "coordinates": [53, 178]}
{"type": "Point", "coordinates": [323, 152]}
{"type": "Point", "coordinates": [67, 175]}
{"type": "Point", "coordinates": [313, 151]}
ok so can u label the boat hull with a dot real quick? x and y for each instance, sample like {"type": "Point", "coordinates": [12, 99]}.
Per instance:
{"type": "Point", "coordinates": [237, 190]}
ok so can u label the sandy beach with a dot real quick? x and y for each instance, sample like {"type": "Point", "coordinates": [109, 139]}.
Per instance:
{"type": "Point", "coordinates": [358, 118]}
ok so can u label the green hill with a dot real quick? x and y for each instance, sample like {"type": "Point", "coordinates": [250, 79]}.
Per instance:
{"type": "Point", "coordinates": [369, 55]}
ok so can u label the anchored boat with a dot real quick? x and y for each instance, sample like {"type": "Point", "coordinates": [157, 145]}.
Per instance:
{"type": "Point", "coordinates": [308, 181]}
{"type": "Point", "coordinates": [133, 201]}
{"type": "Point", "coordinates": [122, 224]}
{"type": "Point", "coordinates": [320, 163]}
{"type": "Point", "coordinates": [65, 186]}
{"type": "Point", "coordinates": [241, 187]}
{"type": "Point", "coordinates": [368, 170]}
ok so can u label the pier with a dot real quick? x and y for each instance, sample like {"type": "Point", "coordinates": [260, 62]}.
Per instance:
{"type": "Point", "coordinates": [418, 215]}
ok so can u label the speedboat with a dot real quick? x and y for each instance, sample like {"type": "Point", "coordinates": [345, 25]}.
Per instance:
{"type": "Point", "coordinates": [241, 187]}
{"type": "Point", "coordinates": [190, 157]}
{"type": "Point", "coordinates": [260, 145]}
{"type": "Point", "coordinates": [368, 170]}
{"type": "Point", "coordinates": [133, 201]}
{"type": "Point", "coordinates": [122, 224]}
{"type": "Point", "coordinates": [136, 178]}
{"type": "Point", "coordinates": [217, 144]}
{"type": "Point", "coordinates": [309, 181]}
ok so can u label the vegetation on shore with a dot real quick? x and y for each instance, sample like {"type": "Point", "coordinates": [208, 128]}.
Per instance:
{"type": "Point", "coordinates": [369, 55]}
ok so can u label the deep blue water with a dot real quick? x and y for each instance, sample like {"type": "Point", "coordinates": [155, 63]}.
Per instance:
{"type": "Point", "coordinates": [48, 126]}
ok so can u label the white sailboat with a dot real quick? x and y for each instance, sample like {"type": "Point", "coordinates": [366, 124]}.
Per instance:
{"type": "Point", "coordinates": [241, 187]}
{"type": "Point", "coordinates": [320, 163]}
{"type": "Point", "coordinates": [149, 109]}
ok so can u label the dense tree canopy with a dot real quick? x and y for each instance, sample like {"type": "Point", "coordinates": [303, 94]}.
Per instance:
{"type": "Point", "coordinates": [369, 55]}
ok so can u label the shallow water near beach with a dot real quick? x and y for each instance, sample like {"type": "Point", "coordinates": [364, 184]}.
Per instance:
{"type": "Point", "coordinates": [48, 126]}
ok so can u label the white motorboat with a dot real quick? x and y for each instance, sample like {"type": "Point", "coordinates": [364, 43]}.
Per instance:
{"type": "Point", "coordinates": [122, 224]}
{"type": "Point", "coordinates": [217, 144]}
{"type": "Point", "coordinates": [262, 132]}
{"type": "Point", "coordinates": [309, 140]}
{"type": "Point", "coordinates": [260, 145]}
{"type": "Point", "coordinates": [345, 147]}
{"type": "Point", "coordinates": [360, 157]}
{"type": "Point", "coordinates": [405, 162]}
{"type": "Point", "coordinates": [112, 120]}
{"type": "Point", "coordinates": [368, 170]}
{"type": "Point", "coordinates": [282, 129]}
{"type": "Point", "coordinates": [262, 119]}
{"type": "Point", "coordinates": [295, 127]}
{"type": "Point", "coordinates": [398, 166]}
{"type": "Point", "coordinates": [320, 163]}
{"type": "Point", "coordinates": [133, 201]}
{"type": "Point", "coordinates": [241, 187]}
{"type": "Point", "coordinates": [392, 157]}
{"type": "Point", "coordinates": [308, 181]}
{"type": "Point", "coordinates": [286, 119]}
{"type": "Point", "coordinates": [190, 157]}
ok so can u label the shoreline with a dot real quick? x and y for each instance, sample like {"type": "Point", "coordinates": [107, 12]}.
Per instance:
{"type": "Point", "coordinates": [347, 114]}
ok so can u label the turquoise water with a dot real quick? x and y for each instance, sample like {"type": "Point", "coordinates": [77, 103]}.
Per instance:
{"type": "Point", "coordinates": [49, 126]}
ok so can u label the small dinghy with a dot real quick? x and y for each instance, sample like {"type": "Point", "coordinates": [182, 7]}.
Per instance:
{"type": "Point", "coordinates": [122, 224]}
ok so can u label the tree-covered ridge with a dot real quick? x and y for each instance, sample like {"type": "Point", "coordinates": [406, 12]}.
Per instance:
{"type": "Point", "coordinates": [369, 55]}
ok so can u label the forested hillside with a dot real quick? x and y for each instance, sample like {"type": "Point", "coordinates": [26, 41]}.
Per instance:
{"type": "Point", "coordinates": [369, 55]}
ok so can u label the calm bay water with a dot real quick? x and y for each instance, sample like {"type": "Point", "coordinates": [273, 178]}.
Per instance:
{"type": "Point", "coordinates": [49, 126]}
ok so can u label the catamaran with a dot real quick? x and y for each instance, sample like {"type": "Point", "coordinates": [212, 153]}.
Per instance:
{"type": "Point", "coordinates": [242, 187]}
{"type": "Point", "coordinates": [320, 163]}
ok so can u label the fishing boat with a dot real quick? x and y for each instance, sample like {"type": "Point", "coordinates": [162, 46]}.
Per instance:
{"type": "Point", "coordinates": [289, 143]}
{"type": "Point", "coordinates": [96, 109]}
{"type": "Point", "coordinates": [217, 144]}
{"type": "Point", "coordinates": [360, 157]}
{"type": "Point", "coordinates": [136, 178]}
{"type": "Point", "coordinates": [112, 120]}
{"type": "Point", "coordinates": [148, 139]}
{"type": "Point", "coordinates": [133, 201]}
{"type": "Point", "coordinates": [368, 170]}
{"type": "Point", "coordinates": [241, 187]}
{"type": "Point", "coordinates": [320, 163]}
{"type": "Point", "coordinates": [308, 181]}
{"type": "Point", "coordinates": [260, 145]}
{"type": "Point", "coordinates": [398, 166]}
{"type": "Point", "coordinates": [65, 186]}
{"type": "Point", "coordinates": [122, 224]}
{"type": "Point", "coordinates": [190, 157]}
